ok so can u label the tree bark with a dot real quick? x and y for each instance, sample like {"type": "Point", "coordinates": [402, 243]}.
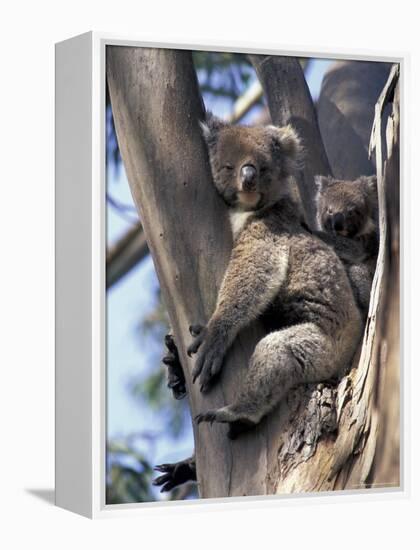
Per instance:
{"type": "Point", "coordinates": [345, 109]}
{"type": "Point", "coordinates": [157, 106]}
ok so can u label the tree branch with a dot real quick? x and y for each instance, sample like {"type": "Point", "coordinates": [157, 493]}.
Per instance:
{"type": "Point", "coordinates": [245, 102]}
{"type": "Point", "coordinates": [346, 108]}
{"type": "Point", "coordinates": [125, 254]}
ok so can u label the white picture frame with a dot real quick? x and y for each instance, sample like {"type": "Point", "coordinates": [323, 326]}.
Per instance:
{"type": "Point", "coordinates": [80, 274]}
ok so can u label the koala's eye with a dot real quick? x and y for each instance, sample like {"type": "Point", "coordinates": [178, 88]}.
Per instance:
{"type": "Point", "coordinates": [263, 169]}
{"type": "Point", "coordinates": [228, 167]}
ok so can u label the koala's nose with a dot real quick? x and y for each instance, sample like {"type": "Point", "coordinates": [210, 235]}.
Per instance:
{"type": "Point", "coordinates": [248, 177]}
{"type": "Point", "coordinates": [337, 221]}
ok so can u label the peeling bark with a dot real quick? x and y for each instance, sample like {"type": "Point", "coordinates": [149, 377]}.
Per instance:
{"type": "Point", "coordinates": [365, 450]}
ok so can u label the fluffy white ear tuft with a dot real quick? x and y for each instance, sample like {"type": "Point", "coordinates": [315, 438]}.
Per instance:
{"type": "Point", "coordinates": [290, 140]}
{"type": "Point", "coordinates": [372, 183]}
{"type": "Point", "coordinates": [205, 130]}
{"type": "Point", "coordinates": [322, 181]}
{"type": "Point", "coordinates": [290, 143]}
{"type": "Point", "coordinates": [211, 126]}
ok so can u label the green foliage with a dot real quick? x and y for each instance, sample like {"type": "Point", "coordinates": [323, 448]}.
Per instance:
{"type": "Point", "coordinates": [223, 74]}
{"type": "Point", "coordinates": [153, 391]}
{"type": "Point", "coordinates": [129, 475]}
{"type": "Point", "coordinates": [129, 471]}
{"type": "Point", "coordinates": [151, 388]}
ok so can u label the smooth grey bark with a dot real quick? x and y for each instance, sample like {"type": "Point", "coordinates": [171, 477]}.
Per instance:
{"type": "Point", "coordinates": [345, 109]}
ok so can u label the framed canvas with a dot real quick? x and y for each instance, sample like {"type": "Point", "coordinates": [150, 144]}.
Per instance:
{"type": "Point", "coordinates": [227, 274]}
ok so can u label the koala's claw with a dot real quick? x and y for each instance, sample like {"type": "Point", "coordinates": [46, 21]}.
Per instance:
{"type": "Point", "coordinates": [238, 423]}
{"type": "Point", "coordinates": [209, 416]}
{"type": "Point", "coordinates": [175, 474]}
{"type": "Point", "coordinates": [197, 331]}
{"type": "Point", "coordinates": [192, 349]}
{"type": "Point", "coordinates": [208, 365]}
{"type": "Point", "coordinates": [175, 374]}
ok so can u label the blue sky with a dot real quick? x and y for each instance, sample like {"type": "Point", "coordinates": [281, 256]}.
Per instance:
{"type": "Point", "coordinates": [129, 354]}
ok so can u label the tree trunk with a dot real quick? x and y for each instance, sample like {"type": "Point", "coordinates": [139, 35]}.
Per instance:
{"type": "Point", "coordinates": [157, 106]}
{"type": "Point", "coordinates": [345, 109]}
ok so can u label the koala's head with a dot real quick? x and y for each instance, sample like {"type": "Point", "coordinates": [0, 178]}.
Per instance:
{"type": "Point", "coordinates": [251, 166]}
{"type": "Point", "coordinates": [346, 207]}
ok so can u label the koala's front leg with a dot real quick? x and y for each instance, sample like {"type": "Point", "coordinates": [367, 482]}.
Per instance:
{"type": "Point", "coordinates": [255, 273]}
{"type": "Point", "coordinates": [213, 346]}
{"type": "Point", "coordinates": [348, 250]}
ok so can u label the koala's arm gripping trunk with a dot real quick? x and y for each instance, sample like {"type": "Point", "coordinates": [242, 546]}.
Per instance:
{"type": "Point", "coordinates": [252, 279]}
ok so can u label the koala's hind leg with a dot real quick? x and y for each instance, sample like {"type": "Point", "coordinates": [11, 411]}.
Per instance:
{"type": "Point", "coordinates": [175, 474]}
{"type": "Point", "coordinates": [283, 359]}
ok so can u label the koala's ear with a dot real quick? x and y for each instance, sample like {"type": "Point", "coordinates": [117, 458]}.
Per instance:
{"type": "Point", "coordinates": [368, 185]}
{"type": "Point", "coordinates": [288, 140]}
{"type": "Point", "coordinates": [321, 182]}
{"type": "Point", "coordinates": [211, 127]}
{"type": "Point", "coordinates": [371, 182]}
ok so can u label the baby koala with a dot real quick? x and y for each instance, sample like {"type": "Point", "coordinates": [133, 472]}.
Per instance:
{"type": "Point", "coordinates": [347, 219]}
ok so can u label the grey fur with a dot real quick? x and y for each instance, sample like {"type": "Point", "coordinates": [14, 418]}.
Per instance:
{"type": "Point", "coordinates": [357, 242]}
{"type": "Point", "coordinates": [278, 270]}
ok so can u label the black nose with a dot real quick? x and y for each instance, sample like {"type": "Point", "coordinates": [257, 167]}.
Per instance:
{"type": "Point", "coordinates": [337, 222]}
{"type": "Point", "coordinates": [248, 173]}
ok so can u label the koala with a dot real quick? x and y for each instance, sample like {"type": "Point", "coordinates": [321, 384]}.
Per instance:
{"type": "Point", "coordinates": [277, 269]}
{"type": "Point", "coordinates": [347, 219]}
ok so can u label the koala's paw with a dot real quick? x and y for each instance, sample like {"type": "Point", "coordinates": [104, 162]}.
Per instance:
{"type": "Point", "coordinates": [175, 474]}
{"type": "Point", "coordinates": [198, 333]}
{"type": "Point", "coordinates": [239, 423]}
{"type": "Point", "coordinates": [210, 345]}
{"type": "Point", "coordinates": [175, 374]}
